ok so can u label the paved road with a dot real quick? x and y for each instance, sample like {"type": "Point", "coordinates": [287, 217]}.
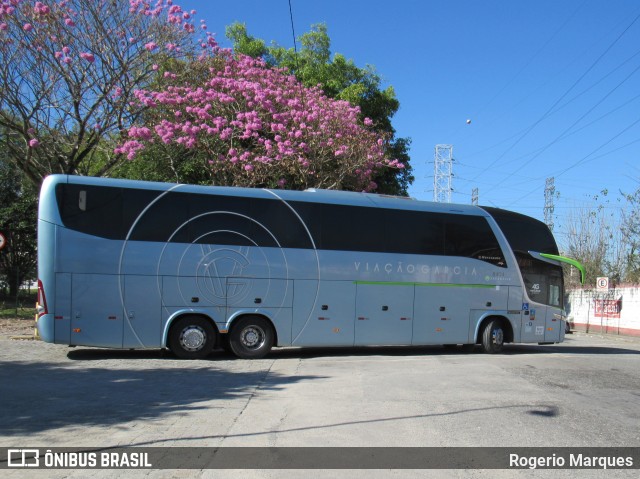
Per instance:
{"type": "Point", "coordinates": [584, 392]}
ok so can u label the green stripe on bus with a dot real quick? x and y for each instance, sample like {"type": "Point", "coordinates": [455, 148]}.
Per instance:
{"type": "Point", "coordinates": [438, 285]}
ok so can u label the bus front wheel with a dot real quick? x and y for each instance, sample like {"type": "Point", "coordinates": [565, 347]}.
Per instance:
{"type": "Point", "coordinates": [192, 337]}
{"type": "Point", "coordinates": [493, 337]}
{"type": "Point", "coordinates": [251, 337]}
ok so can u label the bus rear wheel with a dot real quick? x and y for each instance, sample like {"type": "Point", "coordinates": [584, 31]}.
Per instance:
{"type": "Point", "coordinates": [493, 337]}
{"type": "Point", "coordinates": [251, 337]}
{"type": "Point", "coordinates": [192, 337]}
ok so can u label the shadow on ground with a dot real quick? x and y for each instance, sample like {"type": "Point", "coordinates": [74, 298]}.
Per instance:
{"type": "Point", "coordinates": [39, 396]}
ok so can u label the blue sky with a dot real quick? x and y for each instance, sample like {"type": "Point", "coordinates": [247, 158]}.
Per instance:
{"type": "Point", "coordinates": [552, 88]}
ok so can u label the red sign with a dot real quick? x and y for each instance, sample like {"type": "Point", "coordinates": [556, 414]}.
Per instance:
{"type": "Point", "coordinates": [608, 308]}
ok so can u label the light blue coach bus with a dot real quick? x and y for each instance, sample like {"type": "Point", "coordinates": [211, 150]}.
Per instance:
{"type": "Point", "coordinates": [132, 264]}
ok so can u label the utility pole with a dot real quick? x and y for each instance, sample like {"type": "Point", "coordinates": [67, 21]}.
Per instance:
{"type": "Point", "coordinates": [443, 172]}
{"type": "Point", "coordinates": [549, 196]}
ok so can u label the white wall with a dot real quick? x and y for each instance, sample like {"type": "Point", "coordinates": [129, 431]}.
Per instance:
{"type": "Point", "coordinates": [584, 309]}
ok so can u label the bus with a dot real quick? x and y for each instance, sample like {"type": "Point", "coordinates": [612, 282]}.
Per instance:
{"type": "Point", "coordinates": [132, 264]}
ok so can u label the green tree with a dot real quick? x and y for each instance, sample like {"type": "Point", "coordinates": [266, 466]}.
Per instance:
{"type": "Point", "coordinates": [68, 74]}
{"type": "Point", "coordinates": [18, 214]}
{"type": "Point", "coordinates": [339, 78]}
{"type": "Point", "coordinates": [630, 231]}
{"type": "Point", "coordinates": [588, 242]}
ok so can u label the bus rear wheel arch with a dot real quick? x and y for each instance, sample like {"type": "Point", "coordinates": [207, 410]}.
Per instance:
{"type": "Point", "coordinates": [494, 333]}
{"type": "Point", "coordinates": [251, 337]}
{"type": "Point", "coordinates": [192, 337]}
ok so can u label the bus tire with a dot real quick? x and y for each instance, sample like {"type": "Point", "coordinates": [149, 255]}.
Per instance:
{"type": "Point", "coordinates": [493, 337]}
{"type": "Point", "coordinates": [251, 337]}
{"type": "Point", "coordinates": [192, 337]}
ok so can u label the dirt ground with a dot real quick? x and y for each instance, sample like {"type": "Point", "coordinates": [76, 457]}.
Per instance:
{"type": "Point", "coordinates": [17, 327]}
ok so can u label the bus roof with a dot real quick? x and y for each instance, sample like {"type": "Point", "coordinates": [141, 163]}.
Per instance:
{"type": "Point", "coordinates": [310, 195]}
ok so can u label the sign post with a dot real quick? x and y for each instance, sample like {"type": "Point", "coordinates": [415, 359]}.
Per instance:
{"type": "Point", "coordinates": [602, 286]}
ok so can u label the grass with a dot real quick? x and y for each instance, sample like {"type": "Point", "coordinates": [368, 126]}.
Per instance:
{"type": "Point", "coordinates": [20, 313]}
{"type": "Point", "coordinates": [25, 309]}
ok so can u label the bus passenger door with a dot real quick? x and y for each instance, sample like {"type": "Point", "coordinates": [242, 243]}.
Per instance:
{"type": "Point", "coordinates": [533, 323]}
{"type": "Point", "coordinates": [96, 311]}
{"type": "Point", "coordinates": [142, 307]}
{"type": "Point", "coordinates": [384, 314]}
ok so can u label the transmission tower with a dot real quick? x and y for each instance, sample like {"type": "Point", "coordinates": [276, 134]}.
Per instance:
{"type": "Point", "coordinates": [549, 196]}
{"type": "Point", "coordinates": [474, 196]}
{"type": "Point", "coordinates": [443, 172]}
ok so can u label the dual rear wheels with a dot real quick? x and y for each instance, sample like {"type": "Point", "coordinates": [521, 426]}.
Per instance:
{"type": "Point", "coordinates": [194, 337]}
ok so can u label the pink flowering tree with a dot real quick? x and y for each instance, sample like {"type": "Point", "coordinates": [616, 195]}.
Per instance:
{"type": "Point", "coordinates": [69, 70]}
{"type": "Point", "coordinates": [258, 126]}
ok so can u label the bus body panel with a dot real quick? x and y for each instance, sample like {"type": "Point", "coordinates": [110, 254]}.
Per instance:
{"type": "Point", "coordinates": [47, 276]}
{"type": "Point", "coordinates": [553, 326]}
{"type": "Point", "coordinates": [123, 291]}
{"type": "Point", "coordinates": [247, 292]}
{"type": "Point", "coordinates": [323, 313]}
{"type": "Point", "coordinates": [142, 312]}
{"type": "Point", "coordinates": [384, 314]}
{"type": "Point", "coordinates": [515, 312]}
{"type": "Point", "coordinates": [442, 315]}
{"type": "Point", "coordinates": [96, 310]}
{"type": "Point", "coordinates": [62, 307]}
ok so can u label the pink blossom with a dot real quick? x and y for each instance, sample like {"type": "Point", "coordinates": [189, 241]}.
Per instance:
{"type": "Point", "coordinates": [27, 27]}
{"type": "Point", "coordinates": [247, 114]}
{"type": "Point", "coordinates": [69, 22]}
{"type": "Point", "coordinates": [3, 26]}
{"type": "Point", "coordinates": [151, 46]}
{"type": "Point", "coordinates": [33, 143]}
{"type": "Point", "coordinates": [41, 9]}
{"type": "Point", "coordinates": [87, 56]}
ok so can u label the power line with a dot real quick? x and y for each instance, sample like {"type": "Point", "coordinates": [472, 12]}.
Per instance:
{"type": "Point", "coordinates": [526, 65]}
{"type": "Point", "coordinates": [550, 110]}
{"type": "Point", "coordinates": [585, 159]}
{"type": "Point", "coordinates": [564, 105]}
{"type": "Point", "coordinates": [559, 137]}
{"type": "Point", "coordinates": [293, 32]}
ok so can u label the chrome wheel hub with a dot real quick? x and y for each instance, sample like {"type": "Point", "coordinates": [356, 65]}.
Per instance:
{"type": "Point", "coordinates": [252, 337]}
{"type": "Point", "coordinates": [193, 338]}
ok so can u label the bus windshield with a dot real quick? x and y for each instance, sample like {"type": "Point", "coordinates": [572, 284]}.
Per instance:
{"type": "Point", "coordinates": [543, 281]}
